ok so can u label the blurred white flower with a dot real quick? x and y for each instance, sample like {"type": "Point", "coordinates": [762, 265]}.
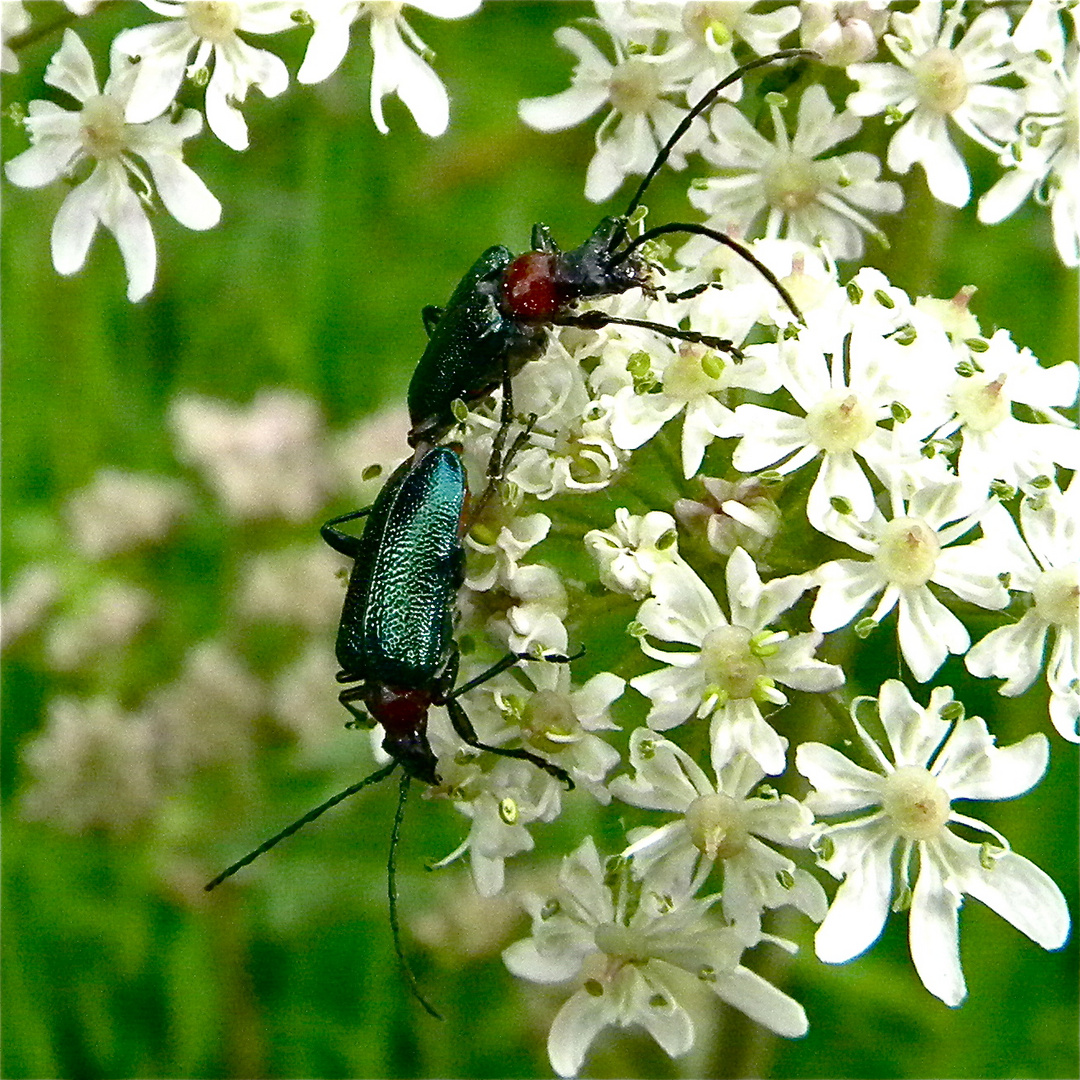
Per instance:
{"type": "Point", "coordinates": [107, 621]}
{"type": "Point", "coordinates": [119, 511]}
{"type": "Point", "coordinates": [63, 140]}
{"type": "Point", "coordinates": [263, 460]}
{"type": "Point", "coordinates": [399, 57]}
{"type": "Point", "coordinates": [908, 804]}
{"type": "Point", "coordinates": [29, 598]}
{"type": "Point", "coordinates": [933, 82]}
{"type": "Point", "coordinates": [814, 200]}
{"type": "Point", "coordinates": [92, 767]}
{"type": "Point", "coordinates": [160, 51]}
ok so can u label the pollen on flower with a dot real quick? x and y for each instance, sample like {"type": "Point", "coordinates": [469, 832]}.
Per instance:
{"type": "Point", "coordinates": [213, 20]}
{"type": "Point", "coordinates": [634, 86]}
{"type": "Point", "coordinates": [793, 183]}
{"type": "Point", "coordinates": [104, 131]}
{"type": "Point", "coordinates": [839, 422]}
{"type": "Point", "coordinates": [980, 402]}
{"type": "Point", "coordinates": [730, 663]}
{"type": "Point", "coordinates": [693, 374]}
{"type": "Point", "coordinates": [717, 826]}
{"type": "Point", "coordinates": [1057, 596]}
{"type": "Point", "coordinates": [940, 80]}
{"type": "Point", "coordinates": [915, 802]}
{"type": "Point", "coordinates": [908, 552]}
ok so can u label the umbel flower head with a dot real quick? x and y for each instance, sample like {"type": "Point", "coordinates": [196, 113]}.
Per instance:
{"type": "Point", "coordinates": [63, 141]}
{"type": "Point", "coordinates": [905, 809]}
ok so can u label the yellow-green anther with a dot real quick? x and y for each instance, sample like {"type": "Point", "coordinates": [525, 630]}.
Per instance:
{"type": "Point", "coordinates": [786, 879]}
{"type": "Point", "coordinates": [903, 899]}
{"type": "Point", "coordinates": [865, 627]}
{"type": "Point", "coordinates": [763, 686]}
{"type": "Point", "coordinates": [508, 810]}
{"type": "Point", "coordinates": [773, 98]}
{"type": "Point", "coordinates": [986, 855]}
{"type": "Point", "coordinates": [707, 974]}
{"type": "Point", "coordinates": [594, 988]}
{"type": "Point", "coordinates": [550, 909]}
{"type": "Point", "coordinates": [855, 293]}
{"type": "Point", "coordinates": [765, 643]}
{"type": "Point", "coordinates": [977, 345]}
{"type": "Point", "coordinates": [952, 711]}
{"type": "Point", "coordinates": [884, 299]}
{"type": "Point", "coordinates": [840, 504]}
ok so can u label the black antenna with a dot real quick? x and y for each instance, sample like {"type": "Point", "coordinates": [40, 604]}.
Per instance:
{"type": "Point", "coordinates": [297, 825]}
{"type": "Point", "coordinates": [720, 238]}
{"type": "Point", "coordinates": [683, 127]}
{"type": "Point", "coordinates": [391, 889]}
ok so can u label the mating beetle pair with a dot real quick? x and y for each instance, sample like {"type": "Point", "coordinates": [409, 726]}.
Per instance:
{"type": "Point", "coordinates": [396, 638]}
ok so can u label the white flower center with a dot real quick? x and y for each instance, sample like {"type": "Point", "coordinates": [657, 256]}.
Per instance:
{"type": "Point", "coordinates": [793, 182]}
{"type": "Point", "coordinates": [693, 374]}
{"type": "Point", "coordinates": [213, 20]}
{"type": "Point", "coordinates": [728, 662]}
{"type": "Point", "coordinates": [1057, 596]}
{"type": "Point", "coordinates": [940, 81]}
{"type": "Point", "coordinates": [634, 86]}
{"type": "Point", "coordinates": [908, 552]}
{"type": "Point", "coordinates": [717, 826]}
{"type": "Point", "coordinates": [980, 403]}
{"type": "Point", "coordinates": [711, 22]}
{"type": "Point", "coordinates": [620, 941]}
{"type": "Point", "coordinates": [915, 802]}
{"type": "Point", "coordinates": [839, 421]}
{"type": "Point", "coordinates": [104, 132]}
{"type": "Point", "coordinates": [549, 722]}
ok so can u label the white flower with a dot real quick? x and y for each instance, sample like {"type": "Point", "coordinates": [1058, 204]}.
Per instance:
{"type": "Point", "coordinates": [1050, 573]}
{"type": "Point", "coordinates": [14, 20]}
{"type": "Point", "coordinates": [909, 800]}
{"type": "Point", "coordinates": [848, 370]}
{"type": "Point", "coordinates": [936, 82]}
{"type": "Point", "coordinates": [637, 959]}
{"type": "Point", "coordinates": [640, 117]}
{"type": "Point", "coordinates": [842, 33]}
{"type": "Point", "coordinates": [719, 822]}
{"type": "Point", "coordinates": [815, 201]}
{"type": "Point", "coordinates": [398, 66]}
{"type": "Point", "coordinates": [732, 514]}
{"type": "Point", "coordinates": [631, 551]}
{"type": "Point", "coordinates": [31, 595]}
{"type": "Point", "coordinates": [996, 444]}
{"type": "Point", "coordinates": [705, 32]}
{"type": "Point", "coordinates": [907, 553]}
{"type": "Point", "coordinates": [496, 561]}
{"type": "Point", "coordinates": [557, 721]}
{"type": "Point", "coordinates": [104, 623]}
{"type": "Point", "coordinates": [689, 378]}
{"type": "Point", "coordinates": [1046, 157]}
{"type": "Point", "coordinates": [162, 51]}
{"type": "Point", "coordinates": [121, 510]}
{"type": "Point", "coordinates": [735, 666]}
{"type": "Point", "coordinates": [63, 140]}
{"type": "Point", "coordinates": [500, 803]}
{"type": "Point", "coordinates": [264, 460]}
{"type": "Point", "coordinates": [92, 767]}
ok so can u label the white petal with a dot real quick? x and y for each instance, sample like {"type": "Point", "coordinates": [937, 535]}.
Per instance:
{"type": "Point", "coordinates": [184, 194]}
{"type": "Point", "coordinates": [562, 110]}
{"type": "Point", "coordinates": [928, 630]}
{"type": "Point", "coordinates": [327, 47]}
{"type": "Point", "coordinates": [42, 163]}
{"type": "Point", "coordinates": [575, 1026]}
{"type": "Point", "coordinates": [933, 932]}
{"type": "Point", "coordinates": [1016, 889]}
{"type": "Point", "coordinates": [859, 909]}
{"type": "Point", "coordinates": [761, 1001]}
{"type": "Point", "coordinates": [970, 766]}
{"type": "Point", "coordinates": [839, 784]}
{"type": "Point", "coordinates": [71, 68]}
{"type": "Point", "coordinates": [75, 224]}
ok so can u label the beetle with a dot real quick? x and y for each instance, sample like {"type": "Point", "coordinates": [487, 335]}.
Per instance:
{"type": "Point", "coordinates": [396, 642]}
{"type": "Point", "coordinates": [499, 314]}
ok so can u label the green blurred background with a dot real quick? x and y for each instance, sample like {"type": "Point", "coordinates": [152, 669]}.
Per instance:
{"type": "Point", "coordinates": [332, 239]}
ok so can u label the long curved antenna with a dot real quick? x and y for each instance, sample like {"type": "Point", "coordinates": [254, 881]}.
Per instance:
{"type": "Point", "coordinates": [683, 127]}
{"type": "Point", "coordinates": [310, 816]}
{"type": "Point", "coordinates": [720, 238]}
{"type": "Point", "coordinates": [391, 889]}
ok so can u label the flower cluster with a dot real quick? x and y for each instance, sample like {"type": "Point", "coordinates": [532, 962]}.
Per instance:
{"type": "Point", "coordinates": [135, 115]}
{"type": "Point", "coordinates": [947, 74]}
{"type": "Point", "coordinates": [860, 471]}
